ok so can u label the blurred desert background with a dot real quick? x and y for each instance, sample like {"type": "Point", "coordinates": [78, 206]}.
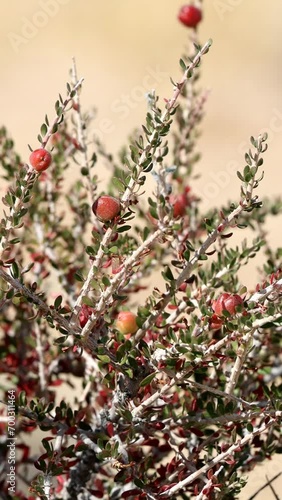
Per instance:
{"type": "Point", "coordinates": [117, 44]}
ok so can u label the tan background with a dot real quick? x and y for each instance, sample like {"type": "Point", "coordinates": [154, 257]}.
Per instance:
{"type": "Point", "coordinates": [117, 44]}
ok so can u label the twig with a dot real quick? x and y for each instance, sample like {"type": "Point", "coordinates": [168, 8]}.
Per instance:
{"type": "Point", "coordinates": [228, 418]}
{"type": "Point", "coordinates": [273, 490]}
{"type": "Point", "coordinates": [127, 196]}
{"type": "Point", "coordinates": [244, 204]}
{"type": "Point", "coordinates": [202, 493]}
{"type": "Point", "coordinates": [27, 183]}
{"type": "Point", "coordinates": [41, 364]}
{"type": "Point", "coordinates": [57, 119]}
{"type": "Point", "coordinates": [47, 485]}
{"type": "Point", "coordinates": [207, 388]}
{"type": "Point", "coordinates": [171, 103]}
{"type": "Point", "coordinates": [240, 360]}
{"type": "Point", "coordinates": [220, 457]}
{"type": "Point", "coordinates": [81, 135]}
{"type": "Point", "coordinates": [30, 176]}
{"type": "Point", "coordinates": [261, 295]}
{"type": "Point", "coordinates": [46, 310]}
{"type": "Point", "coordinates": [116, 281]}
{"type": "Point", "coordinates": [186, 272]}
{"type": "Point", "coordinates": [91, 275]}
{"type": "Point", "coordinates": [265, 486]}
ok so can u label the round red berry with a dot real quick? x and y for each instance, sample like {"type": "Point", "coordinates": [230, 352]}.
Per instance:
{"type": "Point", "coordinates": [190, 16]}
{"type": "Point", "coordinates": [40, 159]}
{"type": "Point", "coordinates": [227, 302]}
{"type": "Point", "coordinates": [126, 322]}
{"type": "Point", "coordinates": [106, 208]}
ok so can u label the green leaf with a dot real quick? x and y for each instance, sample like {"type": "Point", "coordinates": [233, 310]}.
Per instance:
{"type": "Point", "coordinates": [47, 446]}
{"type": "Point", "coordinates": [90, 250]}
{"type": "Point", "coordinates": [203, 257]}
{"type": "Point", "coordinates": [113, 249]}
{"type": "Point", "coordinates": [15, 270]}
{"type": "Point", "coordinates": [248, 159]}
{"type": "Point", "coordinates": [22, 401]}
{"type": "Point", "coordinates": [139, 483]}
{"type": "Point", "coordinates": [40, 465]}
{"type": "Point", "coordinates": [123, 229]}
{"type": "Point", "coordinates": [58, 302]}
{"type": "Point", "coordinates": [182, 64]}
{"type": "Point", "coordinates": [106, 281]}
{"type": "Point", "coordinates": [87, 301]}
{"type": "Point", "coordinates": [43, 129]}
{"type": "Point", "coordinates": [167, 274]}
{"type": "Point", "coordinates": [104, 358]}
{"type": "Point", "coordinates": [60, 340]}
{"type": "Point", "coordinates": [240, 176]}
{"type": "Point", "coordinates": [118, 184]}
{"type": "Point", "coordinates": [78, 276]}
{"type": "Point", "coordinates": [147, 380]}
{"type": "Point", "coordinates": [146, 232]}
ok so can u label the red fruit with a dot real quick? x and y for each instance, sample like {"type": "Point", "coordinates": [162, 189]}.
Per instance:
{"type": "Point", "coordinates": [215, 322]}
{"type": "Point", "coordinates": [190, 16]}
{"type": "Point", "coordinates": [84, 315]}
{"type": "Point", "coordinates": [227, 302]}
{"type": "Point", "coordinates": [126, 322]}
{"type": "Point", "coordinates": [106, 208]}
{"type": "Point", "coordinates": [40, 159]}
{"type": "Point", "coordinates": [179, 203]}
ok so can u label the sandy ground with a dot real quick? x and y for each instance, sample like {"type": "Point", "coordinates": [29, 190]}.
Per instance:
{"type": "Point", "coordinates": [123, 49]}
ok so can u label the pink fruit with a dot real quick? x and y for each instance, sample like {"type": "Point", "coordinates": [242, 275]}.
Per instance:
{"type": "Point", "coordinates": [106, 208]}
{"type": "Point", "coordinates": [40, 159]}
{"type": "Point", "coordinates": [126, 322]}
{"type": "Point", "coordinates": [226, 302]}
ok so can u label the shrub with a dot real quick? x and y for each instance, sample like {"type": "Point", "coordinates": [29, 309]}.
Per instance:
{"type": "Point", "coordinates": [188, 404]}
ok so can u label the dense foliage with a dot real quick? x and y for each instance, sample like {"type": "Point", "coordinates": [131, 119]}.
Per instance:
{"type": "Point", "coordinates": [181, 396]}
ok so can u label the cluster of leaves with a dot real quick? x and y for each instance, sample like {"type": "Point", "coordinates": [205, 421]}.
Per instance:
{"type": "Point", "coordinates": [192, 401]}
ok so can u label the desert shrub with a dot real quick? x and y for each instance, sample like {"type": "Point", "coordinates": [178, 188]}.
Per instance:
{"type": "Point", "coordinates": [132, 303]}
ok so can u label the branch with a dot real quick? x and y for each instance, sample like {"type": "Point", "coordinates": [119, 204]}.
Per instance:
{"type": "Point", "coordinates": [41, 364]}
{"type": "Point", "coordinates": [265, 485]}
{"type": "Point", "coordinates": [219, 458]}
{"type": "Point", "coordinates": [240, 360]}
{"type": "Point", "coordinates": [83, 151]}
{"type": "Point", "coordinates": [273, 289]}
{"type": "Point", "coordinates": [28, 181]}
{"type": "Point", "coordinates": [247, 203]}
{"type": "Point", "coordinates": [170, 106]}
{"type": "Point", "coordinates": [227, 419]}
{"type": "Point", "coordinates": [45, 309]}
{"type": "Point", "coordinates": [164, 119]}
{"type": "Point", "coordinates": [58, 118]}
{"type": "Point", "coordinates": [107, 296]}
